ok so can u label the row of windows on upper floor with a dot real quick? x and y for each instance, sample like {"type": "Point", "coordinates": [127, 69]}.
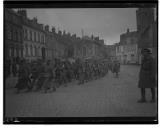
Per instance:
{"type": "Point", "coordinates": [15, 34]}
{"type": "Point", "coordinates": [33, 36]}
{"type": "Point", "coordinates": [131, 48]}
{"type": "Point", "coordinates": [12, 33]}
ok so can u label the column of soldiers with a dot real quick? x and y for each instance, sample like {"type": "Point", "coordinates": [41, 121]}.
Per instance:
{"type": "Point", "coordinates": [48, 75]}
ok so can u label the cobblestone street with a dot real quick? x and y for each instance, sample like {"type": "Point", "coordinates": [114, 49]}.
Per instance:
{"type": "Point", "coordinates": [105, 97]}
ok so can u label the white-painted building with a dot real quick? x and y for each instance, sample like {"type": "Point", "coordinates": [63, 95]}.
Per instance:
{"type": "Point", "coordinates": [127, 48]}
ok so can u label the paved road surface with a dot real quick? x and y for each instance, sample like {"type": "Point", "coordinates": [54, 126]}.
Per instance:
{"type": "Point", "coordinates": [105, 97]}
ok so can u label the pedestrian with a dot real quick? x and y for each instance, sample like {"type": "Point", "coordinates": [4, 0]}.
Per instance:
{"type": "Point", "coordinates": [116, 68]}
{"type": "Point", "coordinates": [147, 75]}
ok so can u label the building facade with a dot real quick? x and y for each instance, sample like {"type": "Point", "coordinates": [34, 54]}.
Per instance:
{"type": "Point", "coordinates": [111, 52]}
{"type": "Point", "coordinates": [88, 48]}
{"type": "Point", "coordinates": [127, 48]}
{"type": "Point", "coordinates": [28, 39]}
{"type": "Point", "coordinates": [13, 35]}
{"type": "Point", "coordinates": [147, 29]}
{"type": "Point", "coordinates": [34, 44]}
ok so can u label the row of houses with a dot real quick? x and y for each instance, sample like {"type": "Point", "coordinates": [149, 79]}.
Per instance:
{"type": "Point", "coordinates": [128, 50]}
{"type": "Point", "coordinates": [26, 38]}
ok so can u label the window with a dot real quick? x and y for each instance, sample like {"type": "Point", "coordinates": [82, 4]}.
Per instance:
{"type": "Point", "coordinates": [26, 52]}
{"type": "Point", "coordinates": [35, 54]}
{"type": "Point", "coordinates": [16, 35]}
{"type": "Point", "coordinates": [15, 52]}
{"type": "Point", "coordinates": [19, 52]}
{"type": "Point", "coordinates": [19, 36]}
{"type": "Point", "coordinates": [31, 50]}
{"type": "Point", "coordinates": [9, 33]}
{"type": "Point", "coordinates": [38, 37]}
{"type": "Point", "coordinates": [30, 35]}
{"type": "Point", "coordinates": [42, 39]}
{"type": "Point", "coordinates": [35, 36]}
{"type": "Point", "coordinates": [84, 51]}
{"type": "Point", "coordinates": [132, 57]}
{"type": "Point", "coordinates": [26, 34]}
{"type": "Point", "coordinates": [10, 52]}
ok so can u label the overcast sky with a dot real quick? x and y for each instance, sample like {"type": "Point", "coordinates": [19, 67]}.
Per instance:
{"type": "Point", "coordinates": [107, 23]}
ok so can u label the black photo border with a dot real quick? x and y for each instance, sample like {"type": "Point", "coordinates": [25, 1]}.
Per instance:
{"type": "Point", "coordinates": [77, 4]}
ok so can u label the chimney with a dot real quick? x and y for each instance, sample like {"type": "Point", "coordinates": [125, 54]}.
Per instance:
{"type": "Point", "coordinates": [22, 13]}
{"type": "Point", "coordinates": [64, 32]}
{"type": "Point", "coordinates": [53, 29]}
{"type": "Point", "coordinates": [59, 32]}
{"type": "Point", "coordinates": [128, 30]}
{"type": "Point", "coordinates": [47, 28]}
{"type": "Point", "coordinates": [92, 37]}
{"type": "Point", "coordinates": [35, 19]}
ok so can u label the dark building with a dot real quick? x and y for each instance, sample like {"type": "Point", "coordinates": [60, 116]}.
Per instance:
{"type": "Point", "coordinates": [147, 30]}
{"type": "Point", "coordinates": [144, 17]}
{"type": "Point", "coordinates": [13, 35]}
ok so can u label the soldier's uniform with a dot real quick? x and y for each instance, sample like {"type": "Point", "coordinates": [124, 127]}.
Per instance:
{"type": "Point", "coordinates": [48, 74]}
{"type": "Point", "coordinates": [23, 77]}
{"type": "Point", "coordinates": [116, 67]}
{"type": "Point", "coordinates": [58, 75]}
{"type": "Point", "coordinates": [41, 78]}
{"type": "Point", "coordinates": [147, 75]}
{"type": "Point", "coordinates": [81, 72]}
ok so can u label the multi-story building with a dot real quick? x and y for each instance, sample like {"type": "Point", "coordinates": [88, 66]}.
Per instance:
{"type": "Point", "coordinates": [52, 48]}
{"type": "Point", "coordinates": [127, 48]}
{"type": "Point", "coordinates": [28, 39]}
{"type": "Point", "coordinates": [147, 30]}
{"type": "Point", "coordinates": [88, 47]}
{"type": "Point", "coordinates": [110, 51]}
{"type": "Point", "coordinates": [13, 35]}
{"type": "Point", "coordinates": [63, 45]}
{"type": "Point", "coordinates": [33, 38]}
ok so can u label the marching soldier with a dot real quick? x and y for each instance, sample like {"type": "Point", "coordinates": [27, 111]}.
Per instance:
{"type": "Point", "coordinates": [48, 74]}
{"type": "Point", "coordinates": [23, 77]}
{"type": "Point", "coordinates": [116, 67]}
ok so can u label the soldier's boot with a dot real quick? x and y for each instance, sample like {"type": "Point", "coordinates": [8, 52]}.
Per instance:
{"type": "Point", "coordinates": [143, 99]}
